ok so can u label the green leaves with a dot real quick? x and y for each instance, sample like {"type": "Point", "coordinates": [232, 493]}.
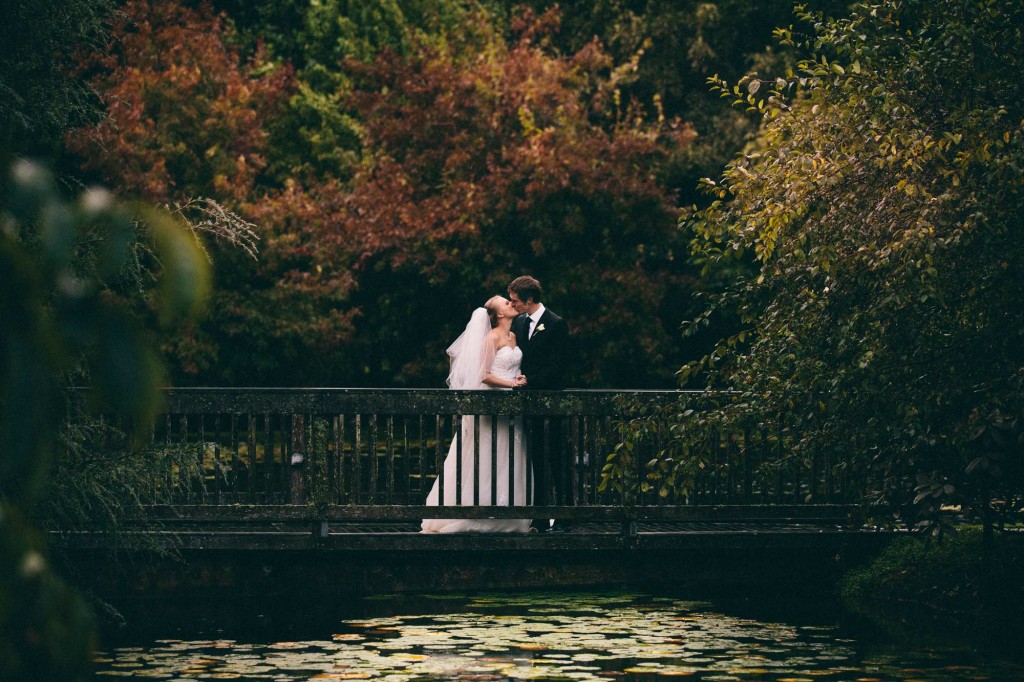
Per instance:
{"type": "Point", "coordinates": [185, 279]}
{"type": "Point", "coordinates": [40, 97]}
{"type": "Point", "coordinates": [882, 203]}
{"type": "Point", "coordinates": [59, 317]}
{"type": "Point", "coordinates": [58, 311]}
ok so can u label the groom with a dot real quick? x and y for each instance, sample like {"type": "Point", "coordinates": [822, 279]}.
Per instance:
{"type": "Point", "coordinates": [544, 338]}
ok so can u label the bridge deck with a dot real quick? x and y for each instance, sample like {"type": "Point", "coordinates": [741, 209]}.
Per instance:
{"type": "Point", "coordinates": [594, 536]}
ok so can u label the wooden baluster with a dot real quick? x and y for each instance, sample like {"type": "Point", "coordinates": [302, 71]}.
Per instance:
{"type": "Point", "coordinates": [764, 458]}
{"type": "Point", "coordinates": [574, 474]}
{"type": "Point", "coordinates": [476, 460]}
{"type": "Point", "coordinates": [659, 444]}
{"type": "Point", "coordinates": [604, 448]}
{"type": "Point", "coordinates": [724, 448]}
{"type": "Point", "coordinates": [640, 470]}
{"type": "Point", "coordinates": [827, 463]}
{"type": "Point", "coordinates": [357, 461]}
{"type": "Point", "coordinates": [232, 467]}
{"type": "Point", "coordinates": [422, 458]}
{"type": "Point", "coordinates": [748, 476]}
{"type": "Point", "coordinates": [343, 496]}
{"type": "Point", "coordinates": [202, 459]}
{"type": "Point", "coordinates": [842, 472]}
{"type": "Point", "coordinates": [300, 455]}
{"type": "Point", "coordinates": [284, 471]}
{"type": "Point", "coordinates": [494, 460]}
{"type": "Point", "coordinates": [168, 480]}
{"type": "Point", "coordinates": [439, 461]}
{"type": "Point", "coordinates": [331, 452]}
{"type": "Point", "coordinates": [593, 453]}
{"type": "Point", "coordinates": [251, 457]}
{"type": "Point", "coordinates": [794, 477]}
{"type": "Point", "coordinates": [371, 458]}
{"type": "Point", "coordinates": [182, 479]}
{"type": "Point", "coordinates": [716, 466]}
{"type": "Point", "coordinates": [457, 425]}
{"type": "Point", "coordinates": [815, 477]}
{"type": "Point", "coordinates": [780, 474]}
{"type": "Point", "coordinates": [338, 484]}
{"type": "Point", "coordinates": [511, 454]}
{"type": "Point", "coordinates": [531, 462]}
{"type": "Point", "coordinates": [268, 457]}
{"type": "Point", "coordinates": [584, 459]}
{"type": "Point", "coordinates": [390, 448]}
{"type": "Point", "coordinates": [548, 471]}
{"type": "Point", "coordinates": [406, 464]}
{"type": "Point", "coordinates": [732, 453]}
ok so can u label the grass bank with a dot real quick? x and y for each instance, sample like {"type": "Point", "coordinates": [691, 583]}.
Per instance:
{"type": "Point", "coordinates": [955, 579]}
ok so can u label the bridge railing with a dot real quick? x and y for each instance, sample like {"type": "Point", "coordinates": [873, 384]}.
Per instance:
{"type": "Point", "coordinates": [364, 454]}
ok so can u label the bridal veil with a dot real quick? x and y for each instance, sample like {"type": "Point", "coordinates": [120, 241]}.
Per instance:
{"type": "Point", "coordinates": [471, 354]}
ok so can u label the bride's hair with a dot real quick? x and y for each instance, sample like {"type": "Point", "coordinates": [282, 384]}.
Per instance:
{"type": "Point", "coordinates": [492, 310]}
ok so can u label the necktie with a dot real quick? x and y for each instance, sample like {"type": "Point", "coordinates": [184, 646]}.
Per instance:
{"type": "Point", "coordinates": [529, 327]}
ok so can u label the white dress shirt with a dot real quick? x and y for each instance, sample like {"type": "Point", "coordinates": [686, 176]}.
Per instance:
{"type": "Point", "coordinates": [535, 320]}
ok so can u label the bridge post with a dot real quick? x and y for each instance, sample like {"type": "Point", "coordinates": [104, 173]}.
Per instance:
{"type": "Point", "coordinates": [297, 479]}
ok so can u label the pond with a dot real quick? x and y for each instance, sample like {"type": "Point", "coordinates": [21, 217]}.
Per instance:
{"type": "Point", "coordinates": [546, 636]}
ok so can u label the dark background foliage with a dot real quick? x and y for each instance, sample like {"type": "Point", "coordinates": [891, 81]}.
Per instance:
{"type": "Point", "coordinates": [399, 158]}
{"type": "Point", "coordinates": [882, 204]}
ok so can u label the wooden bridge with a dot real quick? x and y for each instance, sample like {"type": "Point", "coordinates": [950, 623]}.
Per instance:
{"type": "Point", "coordinates": [340, 478]}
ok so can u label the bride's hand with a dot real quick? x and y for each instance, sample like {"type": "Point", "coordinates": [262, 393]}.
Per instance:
{"type": "Point", "coordinates": [519, 381]}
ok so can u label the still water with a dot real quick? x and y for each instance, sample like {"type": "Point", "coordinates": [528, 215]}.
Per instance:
{"type": "Point", "coordinates": [553, 636]}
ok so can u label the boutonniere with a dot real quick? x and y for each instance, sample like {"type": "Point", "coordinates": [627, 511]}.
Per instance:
{"type": "Point", "coordinates": [539, 328]}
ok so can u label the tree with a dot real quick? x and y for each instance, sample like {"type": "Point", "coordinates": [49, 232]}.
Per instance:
{"type": "Point", "coordinates": [883, 206]}
{"type": "Point", "coordinates": [317, 136]}
{"type": "Point", "coordinates": [480, 168]}
{"type": "Point", "coordinates": [56, 259]}
{"type": "Point", "coordinates": [184, 117]}
{"type": "Point", "coordinates": [566, 181]}
{"type": "Point", "coordinates": [39, 98]}
{"type": "Point", "coordinates": [677, 44]}
{"type": "Point", "coordinates": [187, 117]}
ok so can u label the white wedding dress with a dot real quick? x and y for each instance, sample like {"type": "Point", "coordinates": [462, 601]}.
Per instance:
{"type": "Point", "coordinates": [506, 366]}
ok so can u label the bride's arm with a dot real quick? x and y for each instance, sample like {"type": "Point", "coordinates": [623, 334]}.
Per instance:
{"type": "Point", "coordinates": [498, 382]}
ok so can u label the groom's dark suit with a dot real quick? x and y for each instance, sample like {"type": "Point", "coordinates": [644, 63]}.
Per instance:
{"type": "Point", "coordinates": [544, 360]}
{"type": "Point", "coordinates": [544, 354]}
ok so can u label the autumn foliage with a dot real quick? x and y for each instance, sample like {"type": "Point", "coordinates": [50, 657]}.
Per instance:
{"type": "Point", "coordinates": [474, 166]}
{"type": "Point", "coordinates": [520, 161]}
{"type": "Point", "coordinates": [185, 115]}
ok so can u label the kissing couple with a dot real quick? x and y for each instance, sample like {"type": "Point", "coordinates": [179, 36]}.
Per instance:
{"type": "Point", "coordinates": [509, 343]}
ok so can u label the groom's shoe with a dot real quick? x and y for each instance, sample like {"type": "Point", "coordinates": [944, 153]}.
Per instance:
{"type": "Point", "coordinates": [541, 525]}
{"type": "Point", "coordinates": [561, 527]}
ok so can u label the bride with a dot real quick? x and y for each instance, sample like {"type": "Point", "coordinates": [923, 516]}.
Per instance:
{"type": "Point", "coordinates": [485, 356]}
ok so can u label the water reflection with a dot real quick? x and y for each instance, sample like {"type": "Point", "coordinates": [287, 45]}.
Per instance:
{"type": "Point", "coordinates": [553, 637]}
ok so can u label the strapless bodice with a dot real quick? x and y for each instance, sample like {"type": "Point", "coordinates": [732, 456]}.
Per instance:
{"type": "Point", "coordinates": [506, 362]}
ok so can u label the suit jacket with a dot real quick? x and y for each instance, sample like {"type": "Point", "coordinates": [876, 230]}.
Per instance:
{"type": "Point", "coordinates": [544, 356]}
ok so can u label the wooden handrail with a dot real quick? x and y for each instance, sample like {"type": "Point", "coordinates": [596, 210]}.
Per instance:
{"type": "Point", "coordinates": [415, 401]}
{"type": "Point", "coordinates": [375, 449]}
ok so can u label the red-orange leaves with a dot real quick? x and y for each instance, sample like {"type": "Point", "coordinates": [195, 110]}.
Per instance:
{"type": "Point", "coordinates": [184, 116]}
{"type": "Point", "coordinates": [456, 145]}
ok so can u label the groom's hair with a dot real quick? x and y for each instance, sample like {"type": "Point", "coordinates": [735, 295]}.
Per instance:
{"type": "Point", "coordinates": [526, 288]}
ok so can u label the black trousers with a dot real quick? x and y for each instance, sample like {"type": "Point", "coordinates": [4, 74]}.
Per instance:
{"type": "Point", "coordinates": [546, 450]}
